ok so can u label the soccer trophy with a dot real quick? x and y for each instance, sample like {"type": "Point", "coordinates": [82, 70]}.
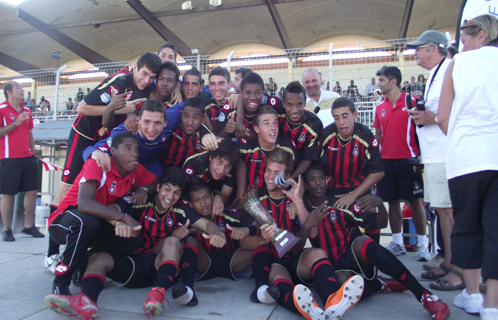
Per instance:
{"type": "Point", "coordinates": [282, 240]}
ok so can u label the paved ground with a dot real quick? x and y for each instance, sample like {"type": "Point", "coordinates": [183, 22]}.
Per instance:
{"type": "Point", "coordinates": [25, 282]}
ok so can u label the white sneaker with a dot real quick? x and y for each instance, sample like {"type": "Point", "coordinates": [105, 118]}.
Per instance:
{"type": "Point", "coordinates": [488, 313]}
{"type": "Point", "coordinates": [51, 262]}
{"type": "Point", "coordinates": [422, 253]}
{"type": "Point", "coordinates": [470, 303]}
{"type": "Point", "coordinates": [396, 249]}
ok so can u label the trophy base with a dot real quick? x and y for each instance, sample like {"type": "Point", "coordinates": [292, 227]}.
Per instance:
{"type": "Point", "coordinates": [285, 242]}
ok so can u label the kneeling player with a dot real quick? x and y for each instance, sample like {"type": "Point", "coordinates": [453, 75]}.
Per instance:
{"type": "Point", "coordinates": [155, 264]}
{"type": "Point", "coordinates": [353, 253]}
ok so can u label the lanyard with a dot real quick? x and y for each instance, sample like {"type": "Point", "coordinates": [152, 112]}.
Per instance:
{"type": "Point", "coordinates": [433, 76]}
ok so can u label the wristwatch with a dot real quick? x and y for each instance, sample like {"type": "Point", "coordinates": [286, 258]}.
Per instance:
{"type": "Point", "coordinates": [435, 119]}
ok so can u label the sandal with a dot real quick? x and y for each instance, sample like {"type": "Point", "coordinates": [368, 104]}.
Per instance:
{"type": "Point", "coordinates": [431, 275]}
{"type": "Point", "coordinates": [445, 285]}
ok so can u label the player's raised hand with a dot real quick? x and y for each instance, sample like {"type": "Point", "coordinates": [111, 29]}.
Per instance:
{"type": "Point", "coordinates": [317, 215]}
{"type": "Point", "coordinates": [238, 233]}
{"type": "Point", "coordinates": [217, 240]}
{"type": "Point", "coordinates": [183, 231]}
{"type": "Point", "coordinates": [131, 106]}
{"type": "Point", "coordinates": [176, 95]}
{"type": "Point", "coordinates": [232, 100]}
{"type": "Point", "coordinates": [118, 101]}
{"type": "Point", "coordinates": [230, 126]}
{"type": "Point", "coordinates": [295, 192]}
{"type": "Point", "coordinates": [210, 141]}
{"type": "Point", "coordinates": [124, 230]}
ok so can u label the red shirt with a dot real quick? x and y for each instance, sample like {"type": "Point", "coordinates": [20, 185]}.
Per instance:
{"type": "Point", "coordinates": [15, 144]}
{"type": "Point", "coordinates": [398, 130]}
{"type": "Point", "coordinates": [111, 186]}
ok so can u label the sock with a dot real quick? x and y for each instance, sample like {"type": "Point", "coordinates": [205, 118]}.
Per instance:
{"type": "Point", "coordinates": [370, 287]}
{"type": "Point", "coordinates": [398, 238]}
{"type": "Point", "coordinates": [324, 278]}
{"type": "Point", "coordinates": [261, 272]}
{"type": "Point", "coordinates": [286, 299]}
{"type": "Point", "coordinates": [92, 285]}
{"type": "Point", "coordinates": [373, 234]}
{"type": "Point", "coordinates": [189, 265]}
{"type": "Point", "coordinates": [183, 295]}
{"type": "Point", "coordinates": [386, 262]}
{"type": "Point", "coordinates": [166, 274]}
{"type": "Point", "coordinates": [53, 248]}
{"type": "Point", "coordinates": [421, 240]}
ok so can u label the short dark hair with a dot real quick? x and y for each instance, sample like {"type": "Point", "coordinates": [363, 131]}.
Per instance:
{"type": "Point", "coordinates": [153, 105]}
{"type": "Point", "coordinates": [305, 176]}
{"type": "Point", "coordinates": [167, 45]}
{"type": "Point", "coordinates": [174, 176]}
{"type": "Point", "coordinates": [243, 71]}
{"type": "Point", "coordinates": [452, 50]}
{"type": "Point", "coordinates": [151, 61]}
{"type": "Point", "coordinates": [343, 102]}
{"type": "Point", "coordinates": [119, 138]}
{"type": "Point", "coordinates": [281, 156]}
{"type": "Point", "coordinates": [262, 111]}
{"type": "Point", "coordinates": [195, 102]}
{"type": "Point", "coordinates": [226, 150]}
{"type": "Point", "coordinates": [170, 66]}
{"type": "Point", "coordinates": [220, 71]}
{"type": "Point", "coordinates": [8, 87]}
{"type": "Point", "coordinates": [390, 73]}
{"type": "Point", "coordinates": [197, 184]}
{"type": "Point", "coordinates": [193, 72]}
{"type": "Point", "coordinates": [295, 87]}
{"type": "Point", "coordinates": [252, 78]}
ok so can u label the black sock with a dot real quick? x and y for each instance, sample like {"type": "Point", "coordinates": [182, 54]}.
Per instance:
{"type": "Point", "coordinates": [324, 279]}
{"type": "Point", "coordinates": [166, 274]}
{"type": "Point", "coordinates": [373, 234]}
{"type": "Point", "coordinates": [53, 248]}
{"type": "Point", "coordinates": [370, 287]}
{"type": "Point", "coordinates": [386, 262]}
{"type": "Point", "coordinates": [92, 285]}
{"type": "Point", "coordinates": [261, 266]}
{"type": "Point", "coordinates": [286, 296]}
{"type": "Point", "coordinates": [189, 265]}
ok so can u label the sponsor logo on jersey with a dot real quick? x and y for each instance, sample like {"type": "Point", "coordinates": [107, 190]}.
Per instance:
{"type": "Point", "coordinates": [273, 101]}
{"type": "Point", "coordinates": [356, 208]}
{"type": "Point", "coordinates": [226, 107]}
{"type": "Point", "coordinates": [255, 160]}
{"type": "Point", "coordinates": [61, 269]}
{"type": "Point", "coordinates": [184, 201]}
{"type": "Point", "coordinates": [374, 143]}
{"type": "Point", "coordinates": [112, 188]}
{"type": "Point", "coordinates": [189, 171]}
{"type": "Point", "coordinates": [333, 149]}
{"type": "Point", "coordinates": [222, 117]}
{"type": "Point", "coordinates": [244, 141]}
{"type": "Point", "coordinates": [151, 219]}
{"type": "Point", "coordinates": [114, 89]}
{"type": "Point", "coordinates": [234, 210]}
{"type": "Point", "coordinates": [105, 97]}
{"type": "Point", "coordinates": [66, 172]}
{"type": "Point", "coordinates": [179, 137]}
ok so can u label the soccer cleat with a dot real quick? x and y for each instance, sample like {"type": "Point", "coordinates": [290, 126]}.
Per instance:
{"type": "Point", "coordinates": [154, 303]}
{"type": "Point", "coordinates": [390, 286]}
{"type": "Point", "coordinates": [72, 306]}
{"type": "Point", "coordinates": [52, 261]}
{"type": "Point", "coordinates": [303, 300]}
{"type": "Point", "coordinates": [395, 248]}
{"type": "Point", "coordinates": [265, 294]}
{"type": "Point", "coordinates": [422, 253]}
{"type": "Point", "coordinates": [344, 298]}
{"type": "Point", "coordinates": [435, 306]}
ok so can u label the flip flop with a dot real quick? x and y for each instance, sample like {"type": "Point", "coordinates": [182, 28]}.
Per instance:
{"type": "Point", "coordinates": [431, 275]}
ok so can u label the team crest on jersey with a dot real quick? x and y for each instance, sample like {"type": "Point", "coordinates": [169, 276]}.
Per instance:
{"type": "Point", "coordinates": [222, 226]}
{"type": "Point", "coordinates": [114, 89]}
{"type": "Point", "coordinates": [177, 136]}
{"type": "Point", "coordinates": [163, 138]}
{"type": "Point", "coordinates": [226, 107]}
{"type": "Point", "coordinates": [355, 151]}
{"type": "Point", "coordinates": [198, 145]}
{"type": "Point", "coordinates": [112, 188]}
{"type": "Point", "coordinates": [374, 143]}
{"type": "Point", "coordinates": [222, 117]}
{"type": "Point", "coordinates": [185, 202]}
{"type": "Point", "coordinates": [383, 113]}
{"type": "Point", "coordinates": [333, 216]}
{"type": "Point", "coordinates": [301, 137]}
{"type": "Point", "coordinates": [273, 101]}
{"type": "Point", "coordinates": [11, 117]}
{"type": "Point", "coordinates": [287, 205]}
{"type": "Point", "coordinates": [169, 221]}
{"type": "Point", "coordinates": [66, 172]}
{"type": "Point", "coordinates": [189, 171]}
{"type": "Point", "coordinates": [244, 141]}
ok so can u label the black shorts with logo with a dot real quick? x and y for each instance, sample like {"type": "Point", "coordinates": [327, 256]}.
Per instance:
{"type": "Point", "coordinates": [400, 181]}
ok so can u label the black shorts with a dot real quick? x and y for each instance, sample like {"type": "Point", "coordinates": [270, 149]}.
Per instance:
{"type": "Point", "coordinates": [474, 238]}
{"type": "Point", "coordinates": [290, 265]}
{"type": "Point", "coordinates": [74, 159]}
{"type": "Point", "coordinates": [349, 262]}
{"type": "Point", "coordinates": [18, 174]}
{"type": "Point", "coordinates": [400, 181]}
{"type": "Point", "coordinates": [220, 265]}
{"type": "Point", "coordinates": [134, 271]}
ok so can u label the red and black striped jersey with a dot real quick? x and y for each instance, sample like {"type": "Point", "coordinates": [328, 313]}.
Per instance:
{"type": "Point", "coordinates": [340, 227]}
{"type": "Point", "coordinates": [180, 146]}
{"type": "Point", "coordinates": [306, 135]}
{"type": "Point", "coordinates": [89, 126]}
{"type": "Point", "coordinates": [198, 165]}
{"type": "Point", "coordinates": [272, 101]}
{"type": "Point", "coordinates": [157, 225]}
{"type": "Point", "coordinates": [254, 156]}
{"type": "Point", "coordinates": [279, 210]}
{"type": "Point", "coordinates": [348, 163]}
{"type": "Point", "coordinates": [235, 218]}
{"type": "Point", "coordinates": [217, 114]}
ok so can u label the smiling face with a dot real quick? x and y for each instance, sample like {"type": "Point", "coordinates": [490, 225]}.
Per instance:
{"type": "Point", "coordinates": [267, 130]}
{"type": "Point", "coordinates": [344, 120]}
{"type": "Point", "coordinates": [151, 124]}
{"type": "Point", "coordinates": [143, 77]}
{"type": "Point", "coordinates": [202, 202]}
{"type": "Point", "coordinates": [311, 82]}
{"type": "Point", "coordinates": [219, 86]}
{"type": "Point", "coordinates": [126, 155]}
{"type": "Point", "coordinates": [294, 106]}
{"type": "Point", "coordinates": [252, 95]}
{"type": "Point", "coordinates": [166, 83]}
{"type": "Point", "coordinates": [191, 119]}
{"type": "Point", "coordinates": [271, 172]}
{"type": "Point", "coordinates": [191, 86]}
{"type": "Point", "coordinates": [167, 195]}
{"type": "Point", "coordinates": [315, 183]}
{"type": "Point", "coordinates": [219, 167]}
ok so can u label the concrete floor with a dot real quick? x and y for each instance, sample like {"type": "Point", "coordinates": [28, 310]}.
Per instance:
{"type": "Point", "coordinates": [25, 282]}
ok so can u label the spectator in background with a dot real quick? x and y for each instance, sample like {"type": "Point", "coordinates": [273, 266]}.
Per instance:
{"type": "Point", "coordinates": [451, 52]}
{"type": "Point", "coordinates": [406, 87]}
{"type": "Point", "coordinates": [421, 82]}
{"type": "Point", "coordinates": [345, 93]}
{"type": "Point", "coordinates": [371, 87]}
{"type": "Point", "coordinates": [281, 93]}
{"type": "Point", "coordinates": [337, 88]}
{"type": "Point", "coordinates": [88, 90]}
{"type": "Point", "coordinates": [357, 97]}
{"type": "Point", "coordinates": [69, 104]}
{"type": "Point", "coordinates": [44, 104]}
{"type": "Point", "coordinates": [28, 99]}
{"type": "Point", "coordinates": [416, 89]}
{"type": "Point", "coordinates": [240, 73]}
{"type": "Point", "coordinates": [272, 87]}
{"type": "Point", "coordinates": [33, 105]}
{"type": "Point", "coordinates": [351, 88]}
{"type": "Point", "coordinates": [328, 86]}
{"type": "Point", "coordinates": [377, 96]}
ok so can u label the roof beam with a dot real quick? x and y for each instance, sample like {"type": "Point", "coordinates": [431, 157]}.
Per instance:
{"type": "Point", "coordinates": [406, 19]}
{"type": "Point", "coordinates": [160, 28]}
{"type": "Point", "coordinates": [71, 44]}
{"type": "Point", "coordinates": [14, 63]}
{"type": "Point", "coordinates": [282, 33]}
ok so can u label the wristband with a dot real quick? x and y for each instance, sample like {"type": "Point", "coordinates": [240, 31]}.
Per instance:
{"type": "Point", "coordinates": [14, 123]}
{"type": "Point", "coordinates": [144, 189]}
{"type": "Point", "coordinates": [124, 217]}
{"type": "Point", "coordinates": [252, 229]}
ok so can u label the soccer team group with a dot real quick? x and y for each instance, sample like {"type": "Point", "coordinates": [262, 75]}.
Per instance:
{"type": "Point", "coordinates": [148, 186]}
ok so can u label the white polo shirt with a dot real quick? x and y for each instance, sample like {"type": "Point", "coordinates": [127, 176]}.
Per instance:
{"type": "Point", "coordinates": [325, 103]}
